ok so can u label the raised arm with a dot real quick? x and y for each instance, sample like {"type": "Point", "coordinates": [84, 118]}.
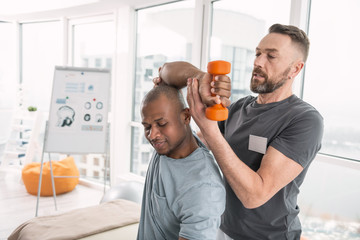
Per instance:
{"type": "Point", "coordinates": [177, 73]}
{"type": "Point", "coordinates": [252, 188]}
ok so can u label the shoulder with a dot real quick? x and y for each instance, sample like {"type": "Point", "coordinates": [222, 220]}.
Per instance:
{"type": "Point", "coordinates": [201, 168]}
{"type": "Point", "coordinates": [203, 160]}
{"type": "Point", "coordinates": [303, 111]}
{"type": "Point", "coordinates": [203, 177]}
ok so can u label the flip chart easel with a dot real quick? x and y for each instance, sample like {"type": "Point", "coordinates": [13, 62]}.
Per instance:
{"type": "Point", "coordinates": [78, 116]}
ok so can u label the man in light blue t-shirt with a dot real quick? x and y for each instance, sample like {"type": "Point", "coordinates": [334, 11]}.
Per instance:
{"type": "Point", "coordinates": [184, 195]}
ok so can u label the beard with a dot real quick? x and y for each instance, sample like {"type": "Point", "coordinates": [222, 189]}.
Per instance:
{"type": "Point", "coordinates": [270, 84]}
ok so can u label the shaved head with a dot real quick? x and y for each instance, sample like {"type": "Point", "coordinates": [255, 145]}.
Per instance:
{"type": "Point", "coordinates": [172, 94]}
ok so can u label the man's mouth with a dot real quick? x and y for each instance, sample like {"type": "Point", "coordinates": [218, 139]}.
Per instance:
{"type": "Point", "coordinates": [158, 144]}
{"type": "Point", "coordinates": [258, 75]}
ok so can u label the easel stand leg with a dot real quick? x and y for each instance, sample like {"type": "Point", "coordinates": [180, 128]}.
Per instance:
{"type": "Point", "coordinates": [39, 187]}
{"type": "Point", "coordinates": [53, 183]}
{"type": "Point", "coordinates": [107, 162]}
{"type": "Point", "coordinates": [105, 171]}
{"type": "Point", "coordinates": [40, 176]}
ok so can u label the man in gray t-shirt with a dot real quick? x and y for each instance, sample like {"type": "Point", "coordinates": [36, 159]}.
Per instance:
{"type": "Point", "coordinates": [184, 194]}
{"type": "Point", "coordinates": [265, 147]}
{"type": "Point", "coordinates": [293, 128]}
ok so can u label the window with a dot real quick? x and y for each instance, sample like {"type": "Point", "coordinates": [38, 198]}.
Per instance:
{"type": "Point", "coordinates": [145, 157]}
{"type": "Point", "coordinates": [82, 172]}
{"type": "Point", "coordinates": [93, 46]}
{"type": "Point", "coordinates": [96, 161]}
{"type": "Point", "coordinates": [7, 66]}
{"type": "Point", "coordinates": [331, 191]}
{"type": "Point", "coordinates": [237, 28]}
{"type": "Point", "coordinates": [41, 52]}
{"type": "Point", "coordinates": [331, 82]}
{"type": "Point", "coordinates": [148, 75]}
{"type": "Point", "coordinates": [8, 82]}
{"type": "Point", "coordinates": [174, 23]}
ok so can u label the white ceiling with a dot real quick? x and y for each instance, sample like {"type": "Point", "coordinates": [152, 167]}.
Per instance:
{"type": "Point", "coordinates": [14, 9]}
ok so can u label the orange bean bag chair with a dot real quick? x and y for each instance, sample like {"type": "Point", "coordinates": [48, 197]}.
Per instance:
{"type": "Point", "coordinates": [65, 167]}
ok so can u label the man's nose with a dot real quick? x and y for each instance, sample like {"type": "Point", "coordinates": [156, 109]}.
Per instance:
{"type": "Point", "coordinates": [154, 133]}
{"type": "Point", "coordinates": [259, 61]}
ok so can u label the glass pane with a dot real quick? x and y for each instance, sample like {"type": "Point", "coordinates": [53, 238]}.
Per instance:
{"type": "Point", "coordinates": [93, 47]}
{"type": "Point", "coordinates": [330, 83]}
{"type": "Point", "coordinates": [237, 28]}
{"type": "Point", "coordinates": [329, 201]}
{"type": "Point", "coordinates": [332, 87]}
{"type": "Point", "coordinates": [8, 81]}
{"type": "Point", "coordinates": [41, 51]}
{"type": "Point", "coordinates": [164, 33]}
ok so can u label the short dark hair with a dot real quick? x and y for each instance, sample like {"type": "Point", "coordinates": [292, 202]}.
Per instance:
{"type": "Point", "coordinates": [171, 93]}
{"type": "Point", "coordinates": [297, 36]}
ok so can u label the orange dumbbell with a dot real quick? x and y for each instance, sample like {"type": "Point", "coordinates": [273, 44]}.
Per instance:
{"type": "Point", "coordinates": [217, 112]}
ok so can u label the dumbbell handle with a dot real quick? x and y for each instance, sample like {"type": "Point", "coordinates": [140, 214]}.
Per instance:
{"type": "Point", "coordinates": [217, 112]}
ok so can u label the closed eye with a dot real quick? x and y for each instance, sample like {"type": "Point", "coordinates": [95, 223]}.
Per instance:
{"type": "Point", "coordinates": [162, 124]}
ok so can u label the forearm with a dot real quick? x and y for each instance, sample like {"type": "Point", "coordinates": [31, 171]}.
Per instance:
{"type": "Point", "coordinates": [246, 183]}
{"type": "Point", "coordinates": [177, 73]}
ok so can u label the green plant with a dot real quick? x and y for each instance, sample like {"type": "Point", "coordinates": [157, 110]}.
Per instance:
{"type": "Point", "coordinates": [32, 109]}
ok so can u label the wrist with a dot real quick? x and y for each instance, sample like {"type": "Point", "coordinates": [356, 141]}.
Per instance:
{"type": "Point", "coordinates": [210, 133]}
{"type": "Point", "coordinates": [200, 76]}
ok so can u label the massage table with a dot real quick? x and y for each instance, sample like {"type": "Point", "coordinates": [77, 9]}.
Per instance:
{"type": "Point", "coordinates": [117, 219]}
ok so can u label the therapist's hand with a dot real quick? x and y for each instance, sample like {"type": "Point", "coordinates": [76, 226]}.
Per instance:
{"type": "Point", "coordinates": [220, 88]}
{"type": "Point", "coordinates": [197, 107]}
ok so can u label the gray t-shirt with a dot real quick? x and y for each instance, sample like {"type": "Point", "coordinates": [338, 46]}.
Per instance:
{"type": "Point", "coordinates": [182, 197]}
{"type": "Point", "coordinates": [294, 128]}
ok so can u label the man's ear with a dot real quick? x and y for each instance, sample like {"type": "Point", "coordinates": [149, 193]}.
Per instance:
{"type": "Point", "coordinates": [296, 68]}
{"type": "Point", "coordinates": [186, 116]}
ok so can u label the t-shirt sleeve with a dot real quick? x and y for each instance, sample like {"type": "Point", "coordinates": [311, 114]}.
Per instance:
{"type": "Point", "coordinates": [301, 140]}
{"type": "Point", "coordinates": [200, 210]}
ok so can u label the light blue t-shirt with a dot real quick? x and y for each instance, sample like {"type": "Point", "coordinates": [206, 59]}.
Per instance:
{"type": "Point", "coordinates": [182, 197]}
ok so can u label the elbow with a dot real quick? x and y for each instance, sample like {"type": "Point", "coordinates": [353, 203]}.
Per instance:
{"type": "Point", "coordinates": [252, 204]}
{"type": "Point", "coordinates": [162, 71]}
{"type": "Point", "coordinates": [253, 200]}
